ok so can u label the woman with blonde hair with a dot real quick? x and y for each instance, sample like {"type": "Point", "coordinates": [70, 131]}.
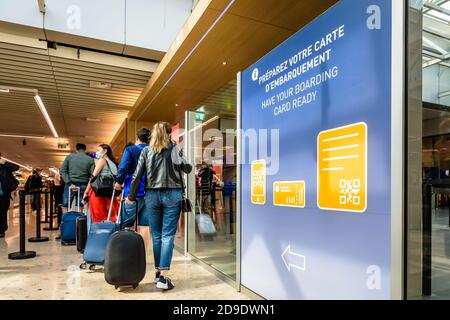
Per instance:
{"type": "Point", "coordinates": [163, 164]}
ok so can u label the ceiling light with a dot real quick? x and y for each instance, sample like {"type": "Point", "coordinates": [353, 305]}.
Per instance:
{"type": "Point", "coordinates": [4, 90]}
{"type": "Point", "coordinates": [176, 104]}
{"type": "Point", "coordinates": [224, 63]}
{"type": "Point", "coordinates": [45, 114]}
{"type": "Point", "coordinates": [20, 136]}
{"type": "Point", "coordinates": [9, 88]}
{"type": "Point", "coordinates": [20, 165]}
{"type": "Point", "coordinates": [93, 120]}
{"type": "Point", "coordinates": [100, 85]}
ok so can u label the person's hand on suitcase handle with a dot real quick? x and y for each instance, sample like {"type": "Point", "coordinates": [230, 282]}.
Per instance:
{"type": "Point", "coordinates": [128, 201]}
{"type": "Point", "coordinates": [118, 186]}
{"type": "Point", "coordinates": [85, 198]}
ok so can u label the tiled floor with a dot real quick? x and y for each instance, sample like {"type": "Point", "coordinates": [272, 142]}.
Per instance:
{"type": "Point", "coordinates": [55, 274]}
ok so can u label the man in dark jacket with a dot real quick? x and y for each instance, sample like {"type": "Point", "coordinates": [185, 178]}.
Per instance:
{"type": "Point", "coordinates": [8, 184]}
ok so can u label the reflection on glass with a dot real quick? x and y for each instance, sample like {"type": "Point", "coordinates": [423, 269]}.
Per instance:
{"type": "Point", "coordinates": [428, 240]}
{"type": "Point", "coordinates": [215, 205]}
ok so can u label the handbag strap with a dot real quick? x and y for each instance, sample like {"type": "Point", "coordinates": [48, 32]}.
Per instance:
{"type": "Point", "coordinates": [183, 189]}
{"type": "Point", "coordinates": [109, 167]}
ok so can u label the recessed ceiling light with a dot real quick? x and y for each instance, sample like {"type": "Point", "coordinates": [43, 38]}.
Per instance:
{"type": "Point", "coordinates": [4, 90]}
{"type": "Point", "coordinates": [100, 85]}
{"type": "Point", "coordinates": [93, 120]}
{"type": "Point", "coordinates": [9, 135]}
{"type": "Point", "coordinates": [176, 104]}
{"type": "Point", "coordinates": [224, 63]}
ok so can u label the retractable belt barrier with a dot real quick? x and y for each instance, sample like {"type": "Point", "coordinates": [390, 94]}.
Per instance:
{"type": "Point", "coordinates": [22, 253]}
{"type": "Point", "coordinates": [52, 210]}
{"type": "Point", "coordinates": [38, 238]}
{"type": "Point", "coordinates": [46, 218]}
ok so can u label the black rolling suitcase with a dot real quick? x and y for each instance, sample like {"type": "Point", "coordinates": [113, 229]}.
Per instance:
{"type": "Point", "coordinates": [125, 262]}
{"type": "Point", "coordinates": [125, 259]}
{"type": "Point", "coordinates": [82, 233]}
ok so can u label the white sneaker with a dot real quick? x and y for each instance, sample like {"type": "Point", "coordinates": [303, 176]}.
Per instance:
{"type": "Point", "coordinates": [164, 283]}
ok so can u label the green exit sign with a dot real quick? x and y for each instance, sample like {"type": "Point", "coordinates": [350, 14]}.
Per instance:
{"type": "Point", "coordinates": [200, 116]}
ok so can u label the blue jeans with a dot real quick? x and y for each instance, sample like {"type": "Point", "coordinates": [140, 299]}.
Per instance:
{"type": "Point", "coordinates": [142, 213]}
{"type": "Point", "coordinates": [73, 195]}
{"type": "Point", "coordinates": [163, 207]}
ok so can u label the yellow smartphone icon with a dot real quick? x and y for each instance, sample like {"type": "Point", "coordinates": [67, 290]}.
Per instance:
{"type": "Point", "coordinates": [258, 182]}
{"type": "Point", "coordinates": [342, 168]}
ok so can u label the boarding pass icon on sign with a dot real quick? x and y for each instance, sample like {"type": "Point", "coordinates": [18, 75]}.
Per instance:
{"type": "Point", "coordinates": [342, 168]}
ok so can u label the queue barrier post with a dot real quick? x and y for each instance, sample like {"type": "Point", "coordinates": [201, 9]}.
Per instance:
{"type": "Point", "coordinates": [52, 209]}
{"type": "Point", "coordinates": [22, 253]}
{"type": "Point", "coordinates": [38, 237]}
{"type": "Point", "coordinates": [46, 217]}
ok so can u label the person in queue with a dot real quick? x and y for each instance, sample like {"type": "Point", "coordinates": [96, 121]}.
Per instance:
{"type": "Point", "coordinates": [127, 167]}
{"type": "Point", "coordinates": [33, 185]}
{"type": "Point", "coordinates": [75, 171]}
{"type": "Point", "coordinates": [99, 205]}
{"type": "Point", "coordinates": [163, 163]}
{"type": "Point", "coordinates": [8, 184]}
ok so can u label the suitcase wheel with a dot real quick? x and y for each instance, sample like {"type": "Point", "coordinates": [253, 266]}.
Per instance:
{"type": "Point", "coordinates": [116, 287]}
{"type": "Point", "coordinates": [92, 267]}
{"type": "Point", "coordinates": [135, 285]}
{"type": "Point", "coordinates": [83, 265]}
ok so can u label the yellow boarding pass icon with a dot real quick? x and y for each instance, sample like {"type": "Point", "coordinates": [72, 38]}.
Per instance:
{"type": "Point", "coordinates": [289, 194]}
{"type": "Point", "coordinates": [258, 183]}
{"type": "Point", "coordinates": [342, 168]}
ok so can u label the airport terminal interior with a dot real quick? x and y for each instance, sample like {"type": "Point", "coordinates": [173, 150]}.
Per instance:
{"type": "Point", "coordinates": [95, 72]}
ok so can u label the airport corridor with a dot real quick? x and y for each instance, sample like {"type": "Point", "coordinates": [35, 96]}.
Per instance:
{"type": "Point", "coordinates": [54, 273]}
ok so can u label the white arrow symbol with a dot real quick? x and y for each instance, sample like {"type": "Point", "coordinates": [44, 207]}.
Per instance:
{"type": "Point", "coordinates": [293, 260]}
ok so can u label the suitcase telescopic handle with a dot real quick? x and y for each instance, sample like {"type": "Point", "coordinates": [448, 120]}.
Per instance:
{"type": "Point", "coordinates": [112, 204]}
{"type": "Point", "coordinates": [119, 214]}
{"type": "Point", "coordinates": [78, 197]}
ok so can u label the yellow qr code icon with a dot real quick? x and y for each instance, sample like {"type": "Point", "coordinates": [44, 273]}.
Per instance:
{"type": "Point", "coordinates": [258, 182]}
{"type": "Point", "coordinates": [342, 168]}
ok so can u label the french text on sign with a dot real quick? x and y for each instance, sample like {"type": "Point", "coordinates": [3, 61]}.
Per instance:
{"type": "Point", "coordinates": [289, 194]}
{"type": "Point", "coordinates": [258, 183]}
{"type": "Point", "coordinates": [342, 168]}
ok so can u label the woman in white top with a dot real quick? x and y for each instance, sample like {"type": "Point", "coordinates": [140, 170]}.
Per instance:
{"type": "Point", "coordinates": [99, 205]}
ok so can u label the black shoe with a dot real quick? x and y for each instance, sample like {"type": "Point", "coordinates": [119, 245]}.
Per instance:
{"type": "Point", "coordinates": [157, 275]}
{"type": "Point", "coordinates": [58, 237]}
{"type": "Point", "coordinates": [164, 283]}
{"type": "Point", "coordinates": [2, 235]}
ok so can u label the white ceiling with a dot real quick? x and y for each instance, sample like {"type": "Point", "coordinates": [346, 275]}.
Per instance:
{"type": "Point", "coordinates": [436, 32]}
{"type": "Point", "coordinates": [63, 84]}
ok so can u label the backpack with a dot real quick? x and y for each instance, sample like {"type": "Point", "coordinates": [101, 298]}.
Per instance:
{"type": "Point", "coordinates": [8, 182]}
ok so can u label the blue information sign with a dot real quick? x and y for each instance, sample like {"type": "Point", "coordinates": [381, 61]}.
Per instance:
{"type": "Point", "coordinates": [316, 190]}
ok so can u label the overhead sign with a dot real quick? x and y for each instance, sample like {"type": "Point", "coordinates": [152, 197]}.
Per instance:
{"type": "Point", "coordinates": [199, 116]}
{"type": "Point", "coordinates": [316, 210]}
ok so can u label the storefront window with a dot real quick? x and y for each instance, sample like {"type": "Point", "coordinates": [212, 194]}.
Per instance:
{"type": "Point", "coordinates": [428, 198]}
{"type": "Point", "coordinates": [212, 146]}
